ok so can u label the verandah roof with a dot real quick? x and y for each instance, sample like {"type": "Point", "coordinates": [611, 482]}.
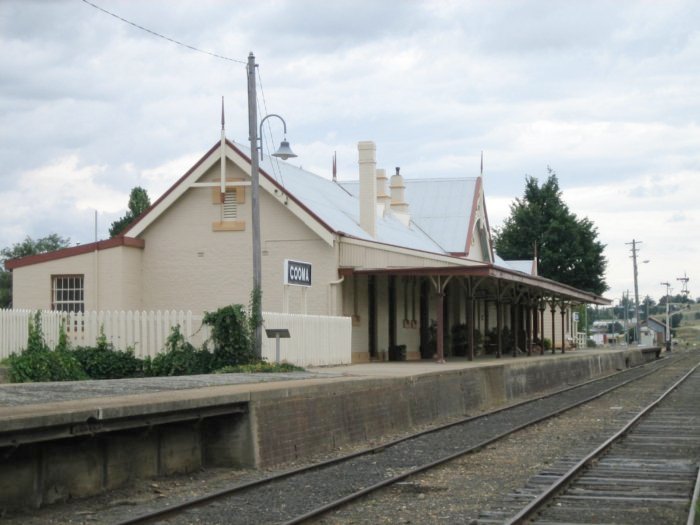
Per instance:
{"type": "Point", "coordinates": [542, 284]}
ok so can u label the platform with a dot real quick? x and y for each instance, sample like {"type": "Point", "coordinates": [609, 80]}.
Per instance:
{"type": "Point", "coordinates": [62, 440]}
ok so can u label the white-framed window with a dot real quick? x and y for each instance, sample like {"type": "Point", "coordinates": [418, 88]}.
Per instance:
{"type": "Point", "coordinates": [68, 293]}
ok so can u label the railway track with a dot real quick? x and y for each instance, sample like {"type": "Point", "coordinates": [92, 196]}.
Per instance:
{"type": "Point", "coordinates": [646, 473]}
{"type": "Point", "coordinates": [300, 495]}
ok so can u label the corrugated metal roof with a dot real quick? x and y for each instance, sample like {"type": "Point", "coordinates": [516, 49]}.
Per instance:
{"type": "Point", "coordinates": [439, 207]}
{"type": "Point", "coordinates": [521, 266]}
{"type": "Point", "coordinates": [339, 209]}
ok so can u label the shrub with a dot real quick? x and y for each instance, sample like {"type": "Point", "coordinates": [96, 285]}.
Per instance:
{"type": "Point", "coordinates": [104, 362]}
{"type": "Point", "coordinates": [38, 363]}
{"type": "Point", "coordinates": [180, 358]}
{"type": "Point", "coordinates": [547, 344]}
{"type": "Point", "coordinates": [35, 337]}
{"type": "Point", "coordinates": [232, 332]}
{"type": "Point", "coordinates": [45, 365]}
{"type": "Point", "coordinates": [590, 343]}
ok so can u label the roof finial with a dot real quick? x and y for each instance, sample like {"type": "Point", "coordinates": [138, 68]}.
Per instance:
{"type": "Point", "coordinates": [223, 121]}
{"type": "Point", "coordinates": [481, 172]}
{"type": "Point", "coordinates": [335, 168]}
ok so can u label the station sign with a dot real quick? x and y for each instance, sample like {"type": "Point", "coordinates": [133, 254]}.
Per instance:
{"type": "Point", "coordinates": [297, 273]}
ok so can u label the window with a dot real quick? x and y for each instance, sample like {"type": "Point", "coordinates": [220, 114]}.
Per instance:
{"type": "Point", "coordinates": [67, 293]}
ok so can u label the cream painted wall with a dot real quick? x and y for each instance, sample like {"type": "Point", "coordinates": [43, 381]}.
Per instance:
{"type": "Point", "coordinates": [372, 257]}
{"type": "Point", "coordinates": [31, 285]}
{"type": "Point", "coordinates": [557, 325]}
{"type": "Point", "coordinates": [118, 290]}
{"type": "Point", "coordinates": [382, 294]}
{"type": "Point", "coordinates": [132, 281]}
{"type": "Point", "coordinates": [355, 293]}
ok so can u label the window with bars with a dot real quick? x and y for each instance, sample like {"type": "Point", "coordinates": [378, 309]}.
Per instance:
{"type": "Point", "coordinates": [67, 293]}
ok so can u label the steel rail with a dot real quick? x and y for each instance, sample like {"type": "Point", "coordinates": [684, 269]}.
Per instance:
{"type": "Point", "coordinates": [694, 501]}
{"type": "Point", "coordinates": [229, 491]}
{"type": "Point", "coordinates": [560, 484]}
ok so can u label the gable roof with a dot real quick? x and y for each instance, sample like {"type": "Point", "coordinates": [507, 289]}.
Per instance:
{"type": "Point", "coordinates": [657, 325]}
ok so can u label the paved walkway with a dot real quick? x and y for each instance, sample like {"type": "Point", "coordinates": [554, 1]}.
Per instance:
{"type": "Point", "coordinates": [39, 393]}
{"type": "Point", "coordinates": [28, 394]}
{"type": "Point", "coordinates": [410, 368]}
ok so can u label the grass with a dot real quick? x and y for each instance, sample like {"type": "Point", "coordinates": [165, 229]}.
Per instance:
{"type": "Point", "coordinates": [262, 367]}
{"type": "Point", "coordinates": [688, 333]}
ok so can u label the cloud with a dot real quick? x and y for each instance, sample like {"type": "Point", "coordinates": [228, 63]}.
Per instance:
{"type": "Point", "coordinates": [159, 178]}
{"type": "Point", "coordinates": [661, 220]}
{"type": "Point", "coordinates": [678, 217]}
{"type": "Point", "coordinates": [66, 183]}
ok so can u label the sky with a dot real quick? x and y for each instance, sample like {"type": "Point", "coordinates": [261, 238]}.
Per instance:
{"type": "Point", "coordinates": [606, 93]}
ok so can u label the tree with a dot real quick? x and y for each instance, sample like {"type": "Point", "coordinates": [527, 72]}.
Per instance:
{"type": "Point", "coordinates": [25, 248]}
{"type": "Point", "coordinates": [138, 203]}
{"type": "Point", "coordinates": [567, 248]}
{"type": "Point", "coordinates": [676, 320]}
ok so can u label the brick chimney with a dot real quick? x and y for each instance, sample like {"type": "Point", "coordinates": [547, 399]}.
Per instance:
{"type": "Point", "coordinates": [367, 153]}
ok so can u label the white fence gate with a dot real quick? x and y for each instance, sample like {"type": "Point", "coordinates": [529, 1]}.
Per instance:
{"type": "Point", "coordinates": [315, 340]}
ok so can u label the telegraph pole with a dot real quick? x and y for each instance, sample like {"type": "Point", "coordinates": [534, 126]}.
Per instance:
{"type": "Point", "coordinates": [626, 302]}
{"type": "Point", "coordinates": [637, 329]}
{"type": "Point", "coordinates": [255, 201]}
{"type": "Point", "coordinates": [668, 320]}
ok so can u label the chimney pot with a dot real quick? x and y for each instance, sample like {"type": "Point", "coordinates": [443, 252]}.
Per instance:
{"type": "Point", "coordinates": [398, 201]}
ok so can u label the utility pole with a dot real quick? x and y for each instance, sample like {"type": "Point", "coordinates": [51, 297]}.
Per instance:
{"type": "Point", "coordinates": [255, 200]}
{"type": "Point", "coordinates": [626, 303]}
{"type": "Point", "coordinates": [637, 329]}
{"type": "Point", "coordinates": [668, 320]}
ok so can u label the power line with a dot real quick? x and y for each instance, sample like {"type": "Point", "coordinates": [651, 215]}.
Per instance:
{"type": "Point", "coordinates": [192, 48]}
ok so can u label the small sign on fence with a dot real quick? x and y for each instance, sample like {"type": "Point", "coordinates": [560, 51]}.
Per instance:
{"type": "Point", "coordinates": [277, 333]}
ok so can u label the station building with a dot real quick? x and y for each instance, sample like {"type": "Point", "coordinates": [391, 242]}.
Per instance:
{"type": "Point", "coordinates": [411, 261]}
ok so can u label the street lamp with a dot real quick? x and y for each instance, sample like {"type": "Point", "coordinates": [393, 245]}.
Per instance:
{"type": "Point", "coordinates": [284, 152]}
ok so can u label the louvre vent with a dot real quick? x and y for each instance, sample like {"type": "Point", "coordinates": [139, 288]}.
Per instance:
{"type": "Point", "coordinates": [230, 206]}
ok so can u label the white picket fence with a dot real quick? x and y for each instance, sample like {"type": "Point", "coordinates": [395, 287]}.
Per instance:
{"type": "Point", "coordinates": [315, 340]}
